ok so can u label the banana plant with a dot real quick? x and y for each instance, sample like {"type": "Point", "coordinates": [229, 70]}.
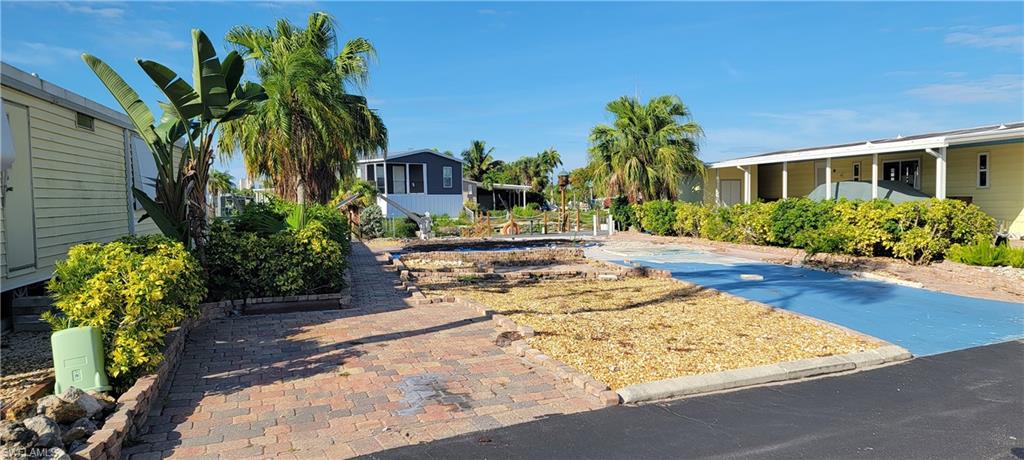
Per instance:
{"type": "Point", "coordinates": [190, 118]}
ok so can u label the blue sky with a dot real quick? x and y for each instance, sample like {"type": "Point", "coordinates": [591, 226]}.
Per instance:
{"type": "Point", "coordinates": [526, 76]}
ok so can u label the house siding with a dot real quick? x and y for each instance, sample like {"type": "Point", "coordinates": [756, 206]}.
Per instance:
{"type": "Point", "coordinates": [435, 173]}
{"type": "Point", "coordinates": [1004, 198]}
{"type": "Point", "coordinates": [78, 183]}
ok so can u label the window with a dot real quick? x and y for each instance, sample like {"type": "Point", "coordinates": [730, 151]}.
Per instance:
{"type": "Point", "coordinates": [982, 170]}
{"type": "Point", "coordinates": [84, 121]}
{"type": "Point", "coordinates": [397, 179]}
{"type": "Point", "coordinates": [379, 177]}
{"type": "Point", "coordinates": [856, 170]}
{"type": "Point", "coordinates": [447, 172]}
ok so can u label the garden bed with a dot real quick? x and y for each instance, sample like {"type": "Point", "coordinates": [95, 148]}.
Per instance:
{"type": "Point", "coordinates": [638, 330]}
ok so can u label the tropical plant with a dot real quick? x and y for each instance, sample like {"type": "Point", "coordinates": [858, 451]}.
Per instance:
{"type": "Point", "coordinates": [479, 161]}
{"type": "Point", "coordinates": [371, 222]}
{"type": "Point", "coordinates": [647, 151]}
{"type": "Point", "coordinates": [311, 130]}
{"type": "Point", "coordinates": [220, 182]}
{"type": "Point", "coordinates": [192, 113]}
{"type": "Point", "coordinates": [134, 290]}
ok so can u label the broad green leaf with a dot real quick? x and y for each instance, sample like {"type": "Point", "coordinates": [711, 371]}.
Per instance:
{"type": "Point", "coordinates": [129, 100]}
{"type": "Point", "coordinates": [207, 76]}
{"type": "Point", "coordinates": [232, 68]}
{"type": "Point", "coordinates": [182, 97]}
{"type": "Point", "coordinates": [165, 223]}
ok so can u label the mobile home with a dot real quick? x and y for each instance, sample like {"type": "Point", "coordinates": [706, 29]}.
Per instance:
{"type": "Point", "coordinates": [69, 166]}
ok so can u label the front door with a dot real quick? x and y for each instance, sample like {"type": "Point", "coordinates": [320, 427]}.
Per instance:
{"type": "Point", "coordinates": [731, 191]}
{"type": "Point", "coordinates": [19, 217]}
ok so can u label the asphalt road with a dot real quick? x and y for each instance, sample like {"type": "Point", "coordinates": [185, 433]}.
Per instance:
{"type": "Point", "coordinates": [963, 404]}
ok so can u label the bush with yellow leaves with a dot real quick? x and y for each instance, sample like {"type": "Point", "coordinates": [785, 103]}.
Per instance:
{"type": "Point", "coordinates": [134, 290]}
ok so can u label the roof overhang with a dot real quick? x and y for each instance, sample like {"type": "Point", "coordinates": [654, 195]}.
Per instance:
{"type": "Point", "coordinates": [869, 148]}
{"type": "Point", "coordinates": [501, 186]}
{"type": "Point", "coordinates": [398, 155]}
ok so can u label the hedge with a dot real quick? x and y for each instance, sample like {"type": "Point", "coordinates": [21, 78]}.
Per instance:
{"type": "Point", "coordinates": [917, 231]}
{"type": "Point", "coordinates": [134, 290]}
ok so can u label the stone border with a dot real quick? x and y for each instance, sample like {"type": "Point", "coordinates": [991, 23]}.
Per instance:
{"type": "Point", "coordinates": [691, 385]}
{"type": "Point", "coordinates": [522, 348]}
{"type": "Point", "coordinates": [134, 405]}
{"type": "Point", "coordinates": [733, 379]}
{"type": "Point", "coordinates": [285, 304]}
{"type": "Point", "coordinates": [519, 347]}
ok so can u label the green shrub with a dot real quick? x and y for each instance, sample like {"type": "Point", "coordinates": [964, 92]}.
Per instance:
{"type": "Point", "coordinates": [718, 225]}
{"type": "Point", "coordinates": [250, 264]}
{"type": "Point", "coordinates": [525, 212]}
{"type": "Point", "coordinates": [638, 215]}
{"type": "Point", "coordinates": [134, 291]}
{"type": "Point", "coordinates": [403, 228]}
{"type": "Point", "coordinates": [752, 223]}
{"type": "Point", "coordinates": [924, 230]}
{"type": "Point", "coordinates": [689, 218]}
{"type": "Point", "coordinates": [984, 253]}
{"type": "Point", "coordinates": [658, 217]}
{"type": "Point", "coordinates": [794, 220]}
{"type": "Point", "coordinates": [371, 222]}
{"type": "Point", "coordinates": [622, 212]}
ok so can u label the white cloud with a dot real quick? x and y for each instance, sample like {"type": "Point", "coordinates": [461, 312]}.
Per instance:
{"type": "Point", "coordinates": [40, 54]}
{"type": "Point", "coordinates": [998, 88]}
{"type": "Point", "coordinates": [86, 8]}
{"type": "Point", "coordinates": [770, 131]}
{"type": "Point", "coordinates": [1006, 37]}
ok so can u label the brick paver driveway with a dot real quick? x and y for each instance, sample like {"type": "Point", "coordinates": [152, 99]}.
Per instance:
{"type": "Point", "coordinates": [348, 382]}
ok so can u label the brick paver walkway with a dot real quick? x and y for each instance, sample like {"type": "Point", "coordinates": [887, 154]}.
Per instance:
{"type": "Point", "coordinates": [350, 382]}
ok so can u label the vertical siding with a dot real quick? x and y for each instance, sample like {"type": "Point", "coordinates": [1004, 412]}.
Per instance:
{"type": "Point", "coordinates": [78, 181]}
{"type": "Point", "coordinates": [1004, 198]}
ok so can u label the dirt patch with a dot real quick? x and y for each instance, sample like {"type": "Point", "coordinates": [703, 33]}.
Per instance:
{"type": "Point", "coordinates": [945, 276]}
{"type": "Point", "coordinates": [640, 330]}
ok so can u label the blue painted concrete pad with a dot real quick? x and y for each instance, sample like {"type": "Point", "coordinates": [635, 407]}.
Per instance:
{"type": "Point", "coordinates": [922, 321]}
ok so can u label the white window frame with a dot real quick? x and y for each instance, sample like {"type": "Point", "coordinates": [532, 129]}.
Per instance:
{"type": "Point", "coordinates": [447, 176]}
{"type": "Point", "coordinates": [856, 171]}
{"type": "Point", "coordinates": [408, 179]}
{"type": "Point", "coordinates": [987, 170]}
{"type": "Point", "coordinates": [379, 178]}
{"type": "Point", "coordinates": [405, 167]}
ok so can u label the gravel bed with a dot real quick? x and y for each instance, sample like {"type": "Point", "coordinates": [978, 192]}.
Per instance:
{"type": "Point", "coordinates": [25, 360]}
{"type": "Point", "coordinates": [640, 330]}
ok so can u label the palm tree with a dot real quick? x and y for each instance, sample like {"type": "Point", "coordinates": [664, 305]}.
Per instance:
{"type": "Point", "coordinates": [309, 132]}
{"type": "Point", "coordinates": [647, 151]}
{"type": "Point", "coordinates": [479, 161]}
{"type": "Point", "coordinates": [219, 183]}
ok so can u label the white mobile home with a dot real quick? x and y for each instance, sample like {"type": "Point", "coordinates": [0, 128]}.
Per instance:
{"type": "Point", "coordinates": [69, 166]}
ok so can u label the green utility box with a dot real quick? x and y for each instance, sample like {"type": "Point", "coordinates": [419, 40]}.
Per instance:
{"type": "Point", "coordinates": [78, 359]}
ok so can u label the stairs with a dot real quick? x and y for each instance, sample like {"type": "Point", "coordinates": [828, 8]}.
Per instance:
{"type": "Point", "coordinates": [27, 311]}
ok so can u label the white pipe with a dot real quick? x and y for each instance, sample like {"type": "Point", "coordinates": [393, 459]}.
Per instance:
{"type": "Point", "coordinates": [785, 180]}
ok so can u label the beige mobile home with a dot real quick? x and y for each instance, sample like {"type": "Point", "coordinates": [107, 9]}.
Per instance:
{"type": "Point", "coordinates": [69, 165]}
{"type": "Point", "coordinates": [983, 165]}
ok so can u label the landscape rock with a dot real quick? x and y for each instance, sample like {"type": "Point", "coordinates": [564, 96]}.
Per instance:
{"type": "Point", "coordinates": [86, 401]}
{"type": "Point", "coordinates": [15, 434]}
{"type": "Point", "coordinates": [48, 432]}
{"type": "Point", "coordinates": [108, 402]}
{"type": "Point", "coordinates": [82, 428]}
{"type": "Point", "coordinates": [60, 410]}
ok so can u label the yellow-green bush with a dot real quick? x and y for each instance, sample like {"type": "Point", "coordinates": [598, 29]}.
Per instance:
{"type": "Point", "coordinates": [658, 217]}
{"type": "Point", "coordinates": [134, 291]}
{"type": "Point", "coordinates": [924, 230]}
{"type": "Point", "coordinates": [689, 217]}
{"type": "Point", "coordinates": [984, 253]}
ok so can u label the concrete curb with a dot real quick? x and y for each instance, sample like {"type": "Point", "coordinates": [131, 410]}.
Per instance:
{"type": "Point", "coordinates": [739, 378]}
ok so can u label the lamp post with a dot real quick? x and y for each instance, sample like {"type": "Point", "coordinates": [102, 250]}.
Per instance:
{"type": "Point", "coordinates": [563, 181]}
